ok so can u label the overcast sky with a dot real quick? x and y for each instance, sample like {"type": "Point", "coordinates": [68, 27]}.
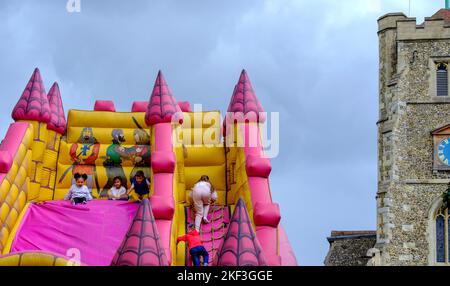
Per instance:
{"type": "Point", "coordinates": [314, 61]}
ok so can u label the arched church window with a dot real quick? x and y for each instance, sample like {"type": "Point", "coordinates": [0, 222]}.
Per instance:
{"type": "Point", "coordinates": [442, 79]}
{"type": "Point", "coordinates": [442, 236]}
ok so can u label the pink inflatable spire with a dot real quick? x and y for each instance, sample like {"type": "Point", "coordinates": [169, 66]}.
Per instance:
{"type": "Point", "coordinates": [244, 99]}
{"type": "Point", "coordinates": [57, 121]}
{"type": "Point", "coordinates": [240, 246]}
{"type": "Point", "coordinates": [162, 107]}
{"type": "Point", "coordinates": [141, 245]}
{"type": "Point", "coordinates": [33, 104]}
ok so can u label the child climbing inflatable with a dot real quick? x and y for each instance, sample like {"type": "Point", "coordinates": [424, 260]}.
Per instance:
{"type": "Point", "coordinates": [196, 248]}
{"type": "Point", "coordinates": [202, 195]}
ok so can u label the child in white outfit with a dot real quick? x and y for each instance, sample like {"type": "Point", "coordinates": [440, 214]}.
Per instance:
{"type": "Point", "coordinates": [118, 192]}
{"type": "Point", "coordinates": [202, 195]}
{"type": "Point", "coordinates": [78, 192]}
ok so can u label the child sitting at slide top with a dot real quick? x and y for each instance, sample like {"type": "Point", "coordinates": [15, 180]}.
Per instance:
{"type": "Point", "coordinates": [195, 246]}
{"type": "Point", "coordinates": [79, 192]}
{"type": "Point", "coordinates": [118, 192]}
{"type": "Point", "coordinates": [202, 195]}
{"type": "Point", "coordinates": [140, 187]}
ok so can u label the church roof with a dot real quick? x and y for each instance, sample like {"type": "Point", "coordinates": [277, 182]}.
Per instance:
{"type": "Point", "coordinates": [442, 14]}
{"type": "Point", "coordinates": [240, 246]}
{"type": "Point", "coordinates": [57, 121]}
{"type": "Point", "coordinates": [162, 106]}
{"type": "Point", "coordinates": [350, 248]}
{"type": "Point", "coordinates": [33, 104]}
{"type": "Point", "coordinates": [358, 234]}
{"type": "Point", "coordinates": [141, 245]}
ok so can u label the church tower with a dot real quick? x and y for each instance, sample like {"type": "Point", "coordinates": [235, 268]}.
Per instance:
{"type": "Point", "coordinates": [413, 227]}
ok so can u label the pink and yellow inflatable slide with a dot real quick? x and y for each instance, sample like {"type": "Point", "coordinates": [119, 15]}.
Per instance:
{"type": "Point", "coordinates": [163, 138]}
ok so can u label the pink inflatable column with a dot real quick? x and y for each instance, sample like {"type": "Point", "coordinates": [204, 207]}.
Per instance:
{"type": "Point", "coordinates": [12, 157]}
{"type": "Point", "coordinates": [246, 110]}
{"type": "Point", "coordinates": [162, 111]}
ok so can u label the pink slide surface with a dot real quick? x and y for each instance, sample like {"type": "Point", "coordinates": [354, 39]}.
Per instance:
{"type": "Point", "coordinates": [96, 229]}
{"type": "Point", "coordinates": [213, 233]}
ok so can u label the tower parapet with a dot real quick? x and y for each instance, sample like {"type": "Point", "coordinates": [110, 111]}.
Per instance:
{"type": "Point", "coordinates": [435, 27]}
{"type": "Point", "coordinates": [389, 21]}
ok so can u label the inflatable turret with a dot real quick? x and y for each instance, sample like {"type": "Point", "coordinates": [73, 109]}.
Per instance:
{"type": "Point", "coordinates": [240, 246]}
{"type": "Point", "coordinates": [162, 112]}
{"type": "Point", "coordinates": [141, 245]}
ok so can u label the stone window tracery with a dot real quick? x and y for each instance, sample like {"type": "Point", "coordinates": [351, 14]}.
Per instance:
{"type": "Point", "coordinates": [442, 237]}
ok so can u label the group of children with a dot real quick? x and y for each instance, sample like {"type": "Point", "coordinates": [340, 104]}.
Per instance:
{"type": "Point", "coordinates": [80, 194]}
{"type": "Point", "coordinates": [202, 196]}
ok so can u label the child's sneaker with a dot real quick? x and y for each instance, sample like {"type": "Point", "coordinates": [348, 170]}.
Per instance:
{"type": "Point", "coordinates": [205, 220]}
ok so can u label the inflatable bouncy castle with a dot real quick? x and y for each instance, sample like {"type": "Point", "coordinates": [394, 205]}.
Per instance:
{"type": "Point", "coordinates": [172, 145]}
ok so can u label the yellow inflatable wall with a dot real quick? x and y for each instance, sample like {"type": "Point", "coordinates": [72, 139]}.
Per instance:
{"type": "Point", "coordinates": [102, 145]}
{"type": "Point", "coordinates": [237, 179]}
{"type": "Point", "coordinates": [48, 170]}
{"type": "Point", "coordinates": [37, 159]}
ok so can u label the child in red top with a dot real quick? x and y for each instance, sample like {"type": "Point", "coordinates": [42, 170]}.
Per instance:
{"type": "Point", "coordinates": [196, 248]}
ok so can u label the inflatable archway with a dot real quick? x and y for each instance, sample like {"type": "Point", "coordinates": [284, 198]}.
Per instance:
{"type": "Point", "coordinates": [171, 145]}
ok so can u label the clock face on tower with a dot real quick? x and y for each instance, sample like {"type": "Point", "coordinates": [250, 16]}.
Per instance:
{"type": "Point", "coordinates": [441, 144]}
{"type": "Point", "coordinates": [444, 151]}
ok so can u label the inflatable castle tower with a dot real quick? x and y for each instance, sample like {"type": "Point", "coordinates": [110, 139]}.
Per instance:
{"type": "Point", "coordinates": [172, 146]}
